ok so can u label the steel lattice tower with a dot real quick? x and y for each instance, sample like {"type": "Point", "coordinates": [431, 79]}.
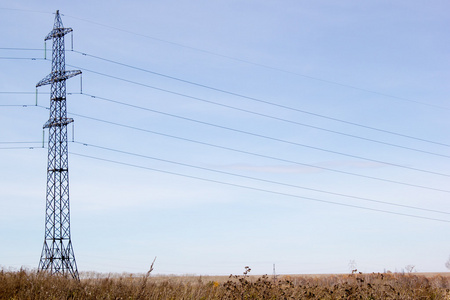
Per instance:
{"type": "Point", "coordinates": [57, 253]}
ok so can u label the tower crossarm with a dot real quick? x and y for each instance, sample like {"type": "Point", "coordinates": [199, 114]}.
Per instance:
{"type": "Point", "coordinates": [57, 32]}
{"type": "Point", "coordinates": [58, 76]}
{"type": "Point", "coordinates": [57, 122]}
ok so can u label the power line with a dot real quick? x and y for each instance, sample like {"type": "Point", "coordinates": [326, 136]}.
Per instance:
{"type": "Point", "coordinates": [259, 189]}
{"type": "Point", "coordinates": [20, 142]}
{"type": "Point", "coordinates": [262, 65]}
{"type": "Point", "coordinates": [26, 93]}
{"type": "Point", "coordinates": [252, 153]}
{"type": "Point", "coordinates": [278, 119]}
{"type": "Point", "coordinates": [253, 178]}
{"type": "Point", "coordinates": [21, 49]}
{"type": "Point", "coordinates": [254, 99]}
{"type": "Point", "coordinates": [262, 101]}
{"type": "Point", "coordinates": [275, 118]}
{"type": "Point", "coordinates": [257, 179]}
{"type": "Point", "coordinates": [26, 58]}
{"type": "Point", "coordinates": [241, 60]}
{"type": "Point", "coordinates": [257, 154]}
{"type": "Point", "coordinates": [275, 139]}
{"type": "Point", "coordinates": [228, 57]}
{"type": "Point", "coordinates": [232, 93]}
{"type": "Point", "coordinates": [14, 148]}
{"type": "Point", "coordinates": [253, 188]}
{"type": "Point", "coordinates": [19, 93]}
{"type": "Point", "coordinates": [258, 100]}
{"type": "Point", "coordinates": [25, 10]}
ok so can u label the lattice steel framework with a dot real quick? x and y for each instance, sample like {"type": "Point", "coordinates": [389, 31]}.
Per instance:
{"type": "Point", "coordinates": [57, 253]}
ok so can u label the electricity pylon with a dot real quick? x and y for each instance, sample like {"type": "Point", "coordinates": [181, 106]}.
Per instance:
{"type": "Point", "coordinates": [57, 253]}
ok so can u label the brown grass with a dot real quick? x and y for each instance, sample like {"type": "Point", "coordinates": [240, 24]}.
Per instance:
{"type": "Point", "coordinates": [31, 285]}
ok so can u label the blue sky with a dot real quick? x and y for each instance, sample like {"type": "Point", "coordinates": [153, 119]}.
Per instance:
{"type": "Point", "coordinates": [294, 133]}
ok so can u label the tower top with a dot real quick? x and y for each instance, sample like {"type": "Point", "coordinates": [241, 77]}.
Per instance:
{"type": "Point", "coordinates": [58, 28]}
{"type": "Point", "coordinates": [58, 22]}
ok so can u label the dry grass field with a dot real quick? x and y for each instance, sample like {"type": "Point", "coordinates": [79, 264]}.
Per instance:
{"type": "Point", "coordinates": [31, 285]}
